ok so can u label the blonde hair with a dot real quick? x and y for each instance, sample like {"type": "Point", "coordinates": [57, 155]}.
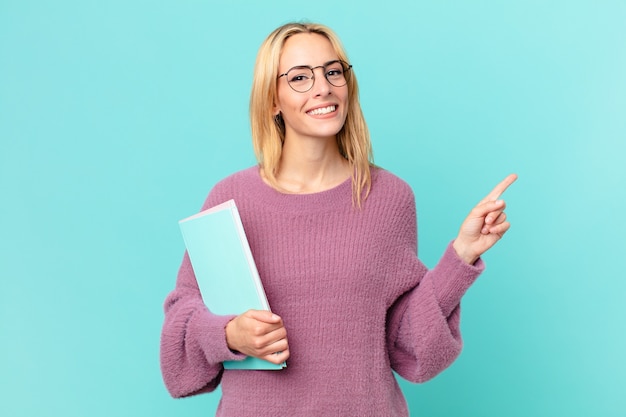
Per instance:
{"type": "Point", "coordinates": [268, 131]}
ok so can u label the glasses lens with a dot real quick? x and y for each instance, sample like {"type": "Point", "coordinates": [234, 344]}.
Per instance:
{"type": "Point", "coordinates": [336, 73]}
{"type": "Point", "coordinates": [300, 78]}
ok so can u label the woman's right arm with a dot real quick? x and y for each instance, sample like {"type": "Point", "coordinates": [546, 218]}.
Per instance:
{"type": "Point", "coordinates": [193, 341]}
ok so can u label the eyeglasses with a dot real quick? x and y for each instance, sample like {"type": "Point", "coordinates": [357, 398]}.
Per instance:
{"type": "Point", "coordinates": [302, 77]}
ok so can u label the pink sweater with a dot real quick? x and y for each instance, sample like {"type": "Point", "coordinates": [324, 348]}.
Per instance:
{"type": "Point", "coordinates": [356, 301]}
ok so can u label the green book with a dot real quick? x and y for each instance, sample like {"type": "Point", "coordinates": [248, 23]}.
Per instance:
{"type": "Point", "coordinates": [224, 267]}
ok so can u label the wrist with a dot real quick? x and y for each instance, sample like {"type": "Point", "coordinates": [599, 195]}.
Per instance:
{"type": "Point", "coordinates": [464, 253]}
{"type": "Point", "coordinates": [228, 329]}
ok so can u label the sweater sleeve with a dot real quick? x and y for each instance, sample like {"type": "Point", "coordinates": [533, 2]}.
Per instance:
{"type": "Point", "coordinates": [423, 325]}
{"type": "Point", "coordinates": [193, 340]}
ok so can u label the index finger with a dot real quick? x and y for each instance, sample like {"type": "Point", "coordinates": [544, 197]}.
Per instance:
{"type": "Point", "coordinates": [500, 188]}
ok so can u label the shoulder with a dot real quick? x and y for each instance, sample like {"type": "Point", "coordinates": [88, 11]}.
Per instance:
{"type": "Point", "coordinates": [232, 185]}
{"type": "Point", "coordinates": [391, 203]}
{"type": "Point", "coordinates": [239, 178]}
{"type": "Point", "coordinates": [391, 197]}
{"type": "Point", "coordinates": [389, 186]}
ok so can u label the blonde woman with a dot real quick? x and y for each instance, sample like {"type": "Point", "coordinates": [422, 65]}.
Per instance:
{"type": "Point", "coordinates": [335, 242]}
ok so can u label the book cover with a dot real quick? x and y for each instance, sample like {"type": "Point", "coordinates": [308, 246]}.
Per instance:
{"type": "Point", "coordinates": [224, 267]}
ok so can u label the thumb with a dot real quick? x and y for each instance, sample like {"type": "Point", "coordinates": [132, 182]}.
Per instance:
{"type": "Point", "coordinates": [263, 315]}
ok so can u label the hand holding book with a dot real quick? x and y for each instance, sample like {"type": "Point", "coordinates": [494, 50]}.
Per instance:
{"type": "Point", "coordinates": [230, 284]}
{"type": "Point", "coordinates": [260, 334]}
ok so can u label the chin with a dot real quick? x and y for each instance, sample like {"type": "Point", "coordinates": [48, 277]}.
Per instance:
{"type": "Point", "coordinates": [329, 131]}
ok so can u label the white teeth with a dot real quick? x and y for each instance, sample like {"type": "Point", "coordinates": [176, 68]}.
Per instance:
{"type": "Point", "coordinates": [322, 110]}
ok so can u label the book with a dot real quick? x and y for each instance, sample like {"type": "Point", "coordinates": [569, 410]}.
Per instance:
{"type": "Point", "coordinates": [227, 275]}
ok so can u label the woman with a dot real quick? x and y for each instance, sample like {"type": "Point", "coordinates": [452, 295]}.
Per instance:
{"type": "Point", "coordinates": [335, 242]}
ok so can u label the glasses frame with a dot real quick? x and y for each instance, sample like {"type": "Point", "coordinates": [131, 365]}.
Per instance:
{"type": "Point", "coordinates": [346, 68]}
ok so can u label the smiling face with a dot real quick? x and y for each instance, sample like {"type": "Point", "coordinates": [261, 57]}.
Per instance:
{"type": "Point", "coordinates": [321, 112]}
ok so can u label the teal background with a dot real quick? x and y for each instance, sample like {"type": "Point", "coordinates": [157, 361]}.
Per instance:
{"type": "Point", "coordinates": [117, 117]}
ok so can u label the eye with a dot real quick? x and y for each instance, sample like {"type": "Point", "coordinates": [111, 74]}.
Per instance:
{"type": "Point", "coordinates": [299, 75]}
{"type": "Point", "coordinates": [334, 70]}
{"type": "Point", "coordinates": [299, 78]}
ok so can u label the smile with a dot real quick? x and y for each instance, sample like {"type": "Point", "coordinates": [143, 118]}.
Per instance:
{"type": "Point", "coordinates": [322, 110]}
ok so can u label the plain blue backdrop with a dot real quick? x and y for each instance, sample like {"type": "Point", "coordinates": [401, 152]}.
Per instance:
{"type": "Point", "coordinates": [117, 117]}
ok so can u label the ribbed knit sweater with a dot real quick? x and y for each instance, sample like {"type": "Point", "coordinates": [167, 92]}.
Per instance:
{"type": "Point", "coordinates": [356, 301]}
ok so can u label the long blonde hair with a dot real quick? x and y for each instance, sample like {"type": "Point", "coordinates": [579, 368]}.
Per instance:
{"type": "Point", "coordinates": [268, 131]}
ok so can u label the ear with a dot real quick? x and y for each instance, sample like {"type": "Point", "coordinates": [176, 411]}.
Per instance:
{"type": "Point", "coordinates": [275, 109]}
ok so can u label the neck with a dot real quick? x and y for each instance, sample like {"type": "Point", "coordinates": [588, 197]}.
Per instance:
{"type": "Point", "coordinates": [309, 166]}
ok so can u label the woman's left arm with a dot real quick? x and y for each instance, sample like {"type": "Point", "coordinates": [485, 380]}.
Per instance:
{"type": "Point", "coordinates": [423, 325]}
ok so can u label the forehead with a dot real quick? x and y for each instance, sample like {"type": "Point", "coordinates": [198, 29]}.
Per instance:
{"type": "Point", "coordinates": [306, 49]}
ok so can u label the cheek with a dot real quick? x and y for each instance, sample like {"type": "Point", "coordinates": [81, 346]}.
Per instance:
{"type": "Point", "coordinates": [285, 107]}
{"type": "Point", "coordinates": [287, 100]}
{"type": "Point", "coordinates": [346, 104]}
{"type": "Point", "coordinates": [344, 97]}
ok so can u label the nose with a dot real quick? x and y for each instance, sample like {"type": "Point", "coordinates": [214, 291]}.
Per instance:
{"type": "Point", "coordinates": [321, 86]}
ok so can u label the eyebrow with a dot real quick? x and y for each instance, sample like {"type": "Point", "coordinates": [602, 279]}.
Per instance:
{"type": "Point", "coordinates": [311, 66]}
